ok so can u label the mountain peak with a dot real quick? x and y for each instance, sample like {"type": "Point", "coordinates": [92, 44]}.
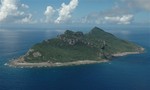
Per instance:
{"type": "Point", "coordinates": [96, 29]}
{"type": "Point", "coordinates": [69, 32]}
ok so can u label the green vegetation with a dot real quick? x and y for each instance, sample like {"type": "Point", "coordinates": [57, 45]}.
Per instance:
{"type": "Point", "coordinates": [75, 46]}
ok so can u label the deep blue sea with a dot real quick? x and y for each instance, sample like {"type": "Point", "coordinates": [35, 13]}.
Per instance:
{"type": "Point", "coordinates": [130, 72]}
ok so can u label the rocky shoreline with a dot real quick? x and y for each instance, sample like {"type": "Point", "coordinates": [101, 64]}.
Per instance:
{"type": "Point", "coordinates": [124, 54]}
{"type": "Point", "coordinates": [17, 63]}
{"type": "Point", "coordinates": [128, 53]}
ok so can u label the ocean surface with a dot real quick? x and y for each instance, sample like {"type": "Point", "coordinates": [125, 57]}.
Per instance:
{"type": "Point", "coordinates": [130, 72]}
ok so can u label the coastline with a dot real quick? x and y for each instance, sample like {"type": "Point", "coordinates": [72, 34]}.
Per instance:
{"type": "Point", "coordinates": [17, 63]}
{"type": "Point", "coordinates": [20, 62]}
{"type": "Point", "coordinates": [124, 54]}
{"type": "Point", "coordinates": [128, 53]}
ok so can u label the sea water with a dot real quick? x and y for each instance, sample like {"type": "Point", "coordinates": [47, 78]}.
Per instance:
{"type": "Point", "coordinates": [130, 72]}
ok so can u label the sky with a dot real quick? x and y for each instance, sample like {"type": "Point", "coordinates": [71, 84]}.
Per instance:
{"type": "Point", "coordinates": [55, 13]}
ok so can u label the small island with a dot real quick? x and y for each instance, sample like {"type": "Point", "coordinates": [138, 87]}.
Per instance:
{"type": "Point", "coordinates": [76, 48]}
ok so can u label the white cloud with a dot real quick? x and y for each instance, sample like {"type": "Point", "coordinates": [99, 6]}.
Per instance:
{"type": "Point", "coordinates": [93, 18]}
{"type": "Point", "coordinates": [66, 10]}
{"type": "Point", "coordinates": [13, 11]}
{"type": "Point", "coordinates": [24, 6]}
{"type": "Point", "coordinates": [115, 15]}
{"type": "Point", "coordinates": [108, 18]}
{"type": "Point", "coordinates": [25, 19]}
{"type": "Point", "coordinates": [138, 4]}
{"type": "Point", "coordinates": [7, 7]}
{"type": "Point", "coordinates": [125, 19]}
{"type": "Point", "coordinates": [49, 12]}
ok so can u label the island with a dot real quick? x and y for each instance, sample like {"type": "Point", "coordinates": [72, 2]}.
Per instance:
{"type": "Point", "coordinates": [76, 48]}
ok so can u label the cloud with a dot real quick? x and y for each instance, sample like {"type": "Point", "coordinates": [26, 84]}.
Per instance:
{"type": "Point", "coordinates": [145, 4]}
{"type": "Point", "coordinates": [125, 19]}
{"type": "Point", "coordinates": [112, 16]}
{"type": "Point", "coordinates": [13, 11]}
{"type": "Point", "coordinates": [49, 12]}
{"type": "Point", "coordinates": [93, 18]}
{"type": "Point", "coordinates": [118, 14]}
{"type": "Point", "coordinates": [25, 18]}
{"type": "Point", "coordinates": [24, 6]}
{"type": "Point", "coordinates": [65, 11]}
{"type": "Point", "coordinates": [138, 4]}
{"type": "Point", "coordinates": [7, 7]}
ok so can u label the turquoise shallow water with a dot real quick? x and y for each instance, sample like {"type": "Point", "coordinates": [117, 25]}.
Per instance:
{"type": "Point", "coordinates": [130, 72]}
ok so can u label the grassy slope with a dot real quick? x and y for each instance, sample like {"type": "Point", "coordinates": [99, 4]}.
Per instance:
{"type": "Point", "coordinates": [102, 45]}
